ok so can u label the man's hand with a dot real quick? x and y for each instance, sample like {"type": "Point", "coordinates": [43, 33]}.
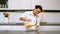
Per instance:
{"type": "Point", "coordinates": [37, 28]}
{"type": "Point", "coordinates": [28, 20]}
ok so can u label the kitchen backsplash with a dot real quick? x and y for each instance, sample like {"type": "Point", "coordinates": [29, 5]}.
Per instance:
{"type": "Point", "coordinates": [50, 17]}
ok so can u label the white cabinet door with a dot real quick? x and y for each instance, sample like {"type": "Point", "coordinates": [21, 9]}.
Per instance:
{"type": "Point", "coordinates": [50, 4]}
{"type": "Point", "coordinates": [13, 4]}
{"type": "Point", "coordinates": [22, 4]}
{"type": "Point", "coordinates": [25, 4]}
{"type": "Point", "coordinates": [5, 27]}
{"type": "Point", "coordinates": [19, 4]}
{"type": "Point", "coordinates": [18, 28]}
{"type": "Point", "coordinates": [2, 18]}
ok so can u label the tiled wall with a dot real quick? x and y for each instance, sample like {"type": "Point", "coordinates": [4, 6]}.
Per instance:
{"type": "Point", "coordinates": [51, 18]}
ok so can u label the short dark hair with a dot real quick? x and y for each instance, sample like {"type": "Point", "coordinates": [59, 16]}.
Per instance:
{"type": "Point", "coordinates": [38, 6]}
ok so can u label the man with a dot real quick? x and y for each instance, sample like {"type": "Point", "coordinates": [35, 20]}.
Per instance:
{"type": "Point", "coordinates": [32, 18]}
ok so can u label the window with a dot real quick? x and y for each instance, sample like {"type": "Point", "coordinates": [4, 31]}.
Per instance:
{"type": "Point", "coordinates": [3, 4]}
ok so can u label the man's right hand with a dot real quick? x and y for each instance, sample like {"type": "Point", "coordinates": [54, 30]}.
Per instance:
{"type": "Point", "coordinates": [28, 20]}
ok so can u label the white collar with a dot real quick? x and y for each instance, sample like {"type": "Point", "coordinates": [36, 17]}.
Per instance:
{"type": "Point", "coordinates": [33, 14]}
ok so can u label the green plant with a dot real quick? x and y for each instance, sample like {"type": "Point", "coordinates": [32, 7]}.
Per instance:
{"type": "Point", "coordinates": [3, 1]}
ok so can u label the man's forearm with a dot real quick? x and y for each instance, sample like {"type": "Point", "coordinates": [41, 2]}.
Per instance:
{"type": "Point", "coordinates": [23, 19]}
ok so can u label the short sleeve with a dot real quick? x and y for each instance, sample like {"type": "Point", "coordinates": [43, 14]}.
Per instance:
{"type": "Point", "coordinates": [24, 15]}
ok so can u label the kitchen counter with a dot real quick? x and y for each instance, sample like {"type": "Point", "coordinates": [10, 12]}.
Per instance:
{"type": "Point", "coordinates": [29, 32]}
{"type": "Point", "coordinates": [23, 24]}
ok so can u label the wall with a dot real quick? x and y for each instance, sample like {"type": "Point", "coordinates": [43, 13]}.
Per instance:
{"type": "Point", "coordinates": [51, 18]}
{"type": "Point", "coordinates": [50, 4]}
{"type": "Point", "coordinates": [29, 4]}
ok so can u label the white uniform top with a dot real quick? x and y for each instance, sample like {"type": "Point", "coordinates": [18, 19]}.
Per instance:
{"type": "Point", "coordinates": [34, 19]}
